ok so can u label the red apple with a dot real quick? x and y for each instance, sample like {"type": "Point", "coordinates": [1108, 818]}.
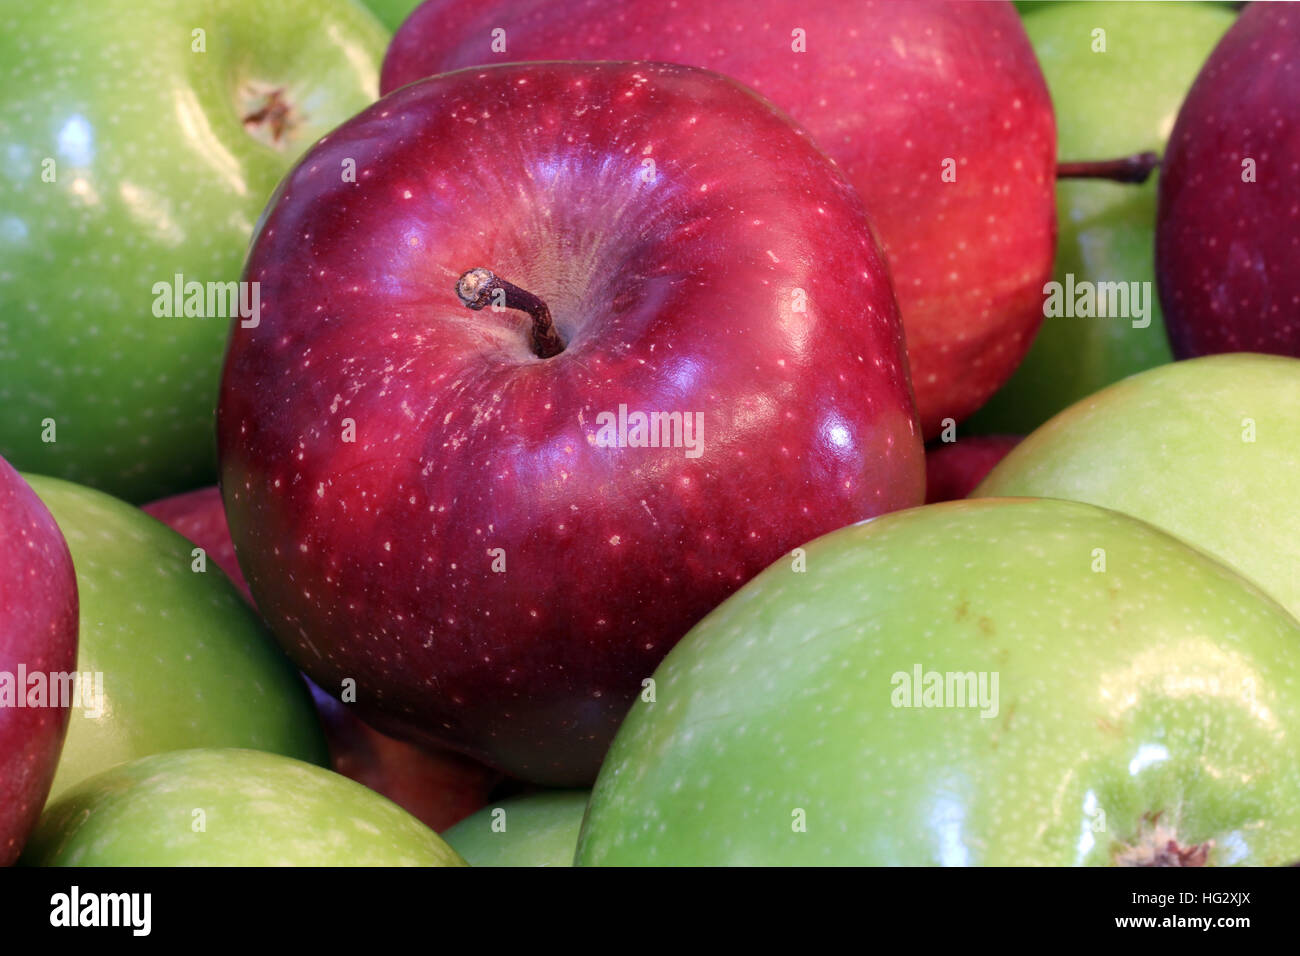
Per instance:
{"type": "Point", "coordinates": [425, 504]}
{"type": "Point", "coordinates": [440, 788]}
{"type": "Point", "coordinates": [38, 647]}
{"type": "Point", "coordinates": [896, 93]}
{"type": "Point", "coordinates": [953, 469]}
{"type": "Point", "coordinates": [1228, 229]}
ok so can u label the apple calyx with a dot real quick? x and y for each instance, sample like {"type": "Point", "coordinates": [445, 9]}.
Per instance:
{"type": "Point", "coordinates": [481, 287]}
{"type": "Point", "coordinates": [1157, 845]}
{"type": "Point", "coordinates": [1127, 169]}
{"type": "Point", "coordinates": [269, 116]}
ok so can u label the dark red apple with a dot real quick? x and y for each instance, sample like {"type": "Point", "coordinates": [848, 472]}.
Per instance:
{"type": "Point", "coordinates": [423, 502]}
{"type": "Point", "coordinates": [1228, 226]}
{"type": "Point", "coordinates": [38, 649]}
{"type": "Point", "coordinates": [953, 469]}
{"type": "Point", "coordinates": [439, 787]}
{"type": "Point", "coordinates": [937, 112]}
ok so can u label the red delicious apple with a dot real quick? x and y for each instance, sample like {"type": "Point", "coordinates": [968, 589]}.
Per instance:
{"type": "Point", "coordinates": [38, 646]}
{"type": "Point", "coordinates": [424, 503]}
{"type": "Point", "coordinates": [439, 787]}
{"type": "Point", "coordinates": [937, 112]}
{"type": "Point", "coordinates": [953, 469]}
{"type": "Point", "coordinates": [1228, 228]}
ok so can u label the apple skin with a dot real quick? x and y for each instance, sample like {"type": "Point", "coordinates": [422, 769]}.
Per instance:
{"type": "Point", "coordinates": [259, 809]}
{"type": "Point", "coordinates": [889, 90]}
{"type": "Point", "coordinates": [391, 13]}
{"type": "Point", "coordinates": [200, 517]}
{"type": "Point", "coordinates": [953, 469]}
{"type": "Point", "coordinates": [1226, 249]}
{"type": "Point", "coordinates": [1165, 689]}
{"type": "Point", "coordinates": [373, 559]}
{"type": "Point", "coordinates": [38, 631]}
{"type": "Point", "coordinates": [541, 829]}
{"type": "Point", "coordinates": [185, 661]}
{"type": "Point", "coordinates": [1111, 104]}
{"type": "Point", "coordinates": [155, 174]}
{"type": "Point", "coordinates": [1168, 446]}
{"type": "Point", "coordinates": [438, 788]}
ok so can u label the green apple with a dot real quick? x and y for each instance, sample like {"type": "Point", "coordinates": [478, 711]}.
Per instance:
{"type": "Point", "coordinates": [141, 140]}
{"type": "Point", "coordinates": [1108, 104]}
{"type": "Point", "coordinates": [998, 681]}
{"type": "Point", "coordinates": [1208, 450]}
{"type": "Point", "coordinates": [229, 808]}
{"type": "Point", "coordinates": [180, 658]}
{"type": "Point", "coordinates": [391, 13]}
{"type": "Point", "coordinates": [540, 829]}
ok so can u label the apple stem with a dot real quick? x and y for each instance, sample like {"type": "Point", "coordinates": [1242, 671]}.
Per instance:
{"type": "Point", "coordinates": [477, 289]}
{"type": "Point", "coordinates": [1127, 169]}
{"type": "Point", "coordinates": [275, 112]}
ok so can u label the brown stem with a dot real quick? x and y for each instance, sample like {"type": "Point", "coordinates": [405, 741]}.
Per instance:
{"type": "Point", "coordinates": [275, 112]}
{"type": "Point", "coordinates": [1127, 169]}
{"type": "Point", "coordinates": [479, 288]}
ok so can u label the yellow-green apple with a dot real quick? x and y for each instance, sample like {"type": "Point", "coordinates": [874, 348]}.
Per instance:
{"type": "Point", "coordinates": [537, 829]}
{"type": "Point", "coordinates": [141, 140]}
{"type": "Point", "coordinates": [173, 657]}
{"type": "Point", "coordinates": [497, 541]}
{"type": "Point", "coordinates": [38, 653]}
{"type": "Point", "coordinates": [936, 111]}
{"type": "Point", "coordinates": [1228, 232]}
{"type": "Point", "coordinates": [1207, 449]}
{"type": "Point", "coordinates": [981, 682]}
{"type": "Point", "coordinates": [1116, 93]}
{"type": "Point", "coordinates": [438, 787]}
{"type": "Point", "coordinates": [224, 807]}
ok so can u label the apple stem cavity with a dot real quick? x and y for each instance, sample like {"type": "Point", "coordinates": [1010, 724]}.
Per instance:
{"type": "Point", "coordinates": [1157, 845]}
{"type": "Point", "coordinates": [270, 116]}
{"type": "Point", "coordinates": [481, 287]}
{"type": "Point", "coordinates": [1127, 169]}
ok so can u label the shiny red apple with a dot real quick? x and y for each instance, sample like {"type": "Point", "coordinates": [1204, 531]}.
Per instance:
{"type": "Point", "coordinates": [953, 469]}
{"type": "Point", "coordinates": [1228, 230]}
{"type": "Point", "coordinates": [937, 112]}
{"type": "Point", "coordinates": [432, 501]}
{"type": "Point", "coordinates": [38, 651]}
{"type": "Point", "coordinates": [439, 787]}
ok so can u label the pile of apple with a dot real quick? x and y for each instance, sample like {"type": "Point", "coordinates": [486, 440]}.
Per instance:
{"type": "Point", "coordinates": [556, 467]}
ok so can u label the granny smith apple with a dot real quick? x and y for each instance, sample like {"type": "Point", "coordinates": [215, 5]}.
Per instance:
{"type": "Point", "coordinates": [539, 829]}
{"type": "Point", "coordinates": [141, 140]}
{"type": "Point", "coordinates": [1207, 449]}
{"type": "Point", "coordinates": [999, 681]}
{"type": "Point", "coordinates": [1110, 103]}
{"type": "Point", "coordinates": [213, 807]}
{"type": "Point", "coordinates": [391, 13]}
{"type": "Point", "coordinates": [180, 659]}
